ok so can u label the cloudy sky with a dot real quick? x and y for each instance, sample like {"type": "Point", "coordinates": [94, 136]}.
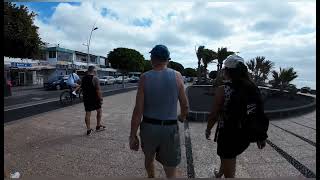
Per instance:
{"type": "Point", "coordinates": [284, 32]}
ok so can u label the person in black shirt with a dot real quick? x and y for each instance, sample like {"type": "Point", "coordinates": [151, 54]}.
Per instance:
{"type": "Point", "coordinates": [92, 98]}
{"type": "Point", "coordinates": [230, 111]}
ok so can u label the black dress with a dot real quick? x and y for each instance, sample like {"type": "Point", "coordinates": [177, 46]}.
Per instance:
{"type": "Point", "coordinates": [231, 140]}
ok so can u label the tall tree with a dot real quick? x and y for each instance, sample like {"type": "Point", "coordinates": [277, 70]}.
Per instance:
{"type": "Point", "coordinates": [207, 58]}
{"type": "Point", "coordinates": [176, 66]}
{"type": "Point", "coordinates": [222, 54]}
{"type": "Point", "coordinates": [147, 66]}
{"type": "Point", "coordinates": [259, 69]}
{"type": "Point", "coordinates": [202, 71]}
{"type": "Point", "coordinates": [190, 72]}
{"type": "Point", "coordinates": [126, 59]}
{"type": "Point", "coordinates": [21, 38]}
{"type": "Point", "coordinates": [199, 53]}
{"type": "Point", "coordinates": [283, 78]}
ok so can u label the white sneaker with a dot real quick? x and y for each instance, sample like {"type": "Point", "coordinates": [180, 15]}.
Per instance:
{"type": "Point", "coordinates": [74, 93]}
{"type": "Point", "coordinates": [15, 175]}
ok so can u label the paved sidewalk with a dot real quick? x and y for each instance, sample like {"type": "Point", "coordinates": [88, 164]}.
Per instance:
{"type": "Point", "coordinates": [266, 163]}
{"type": "Point", "coordinates": [55, 144]}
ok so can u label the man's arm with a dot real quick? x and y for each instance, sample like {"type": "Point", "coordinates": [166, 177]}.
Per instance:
{"type": "Point", "coordinates": [217, 105]}
{"type": "Point", "coordinates": [97, 86]}
{"type": "Point", "coordinates": [182, 96]}
{"type": "Point", "coordinates": [138, 109]}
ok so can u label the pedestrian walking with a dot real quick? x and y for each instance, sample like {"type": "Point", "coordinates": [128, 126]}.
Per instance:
{"type": "Point", "coordinates": [238, 109]}
{"type": "Point", "coordinates": [156, 104]}
{"type": "Point", "coordinates": [92, 98]}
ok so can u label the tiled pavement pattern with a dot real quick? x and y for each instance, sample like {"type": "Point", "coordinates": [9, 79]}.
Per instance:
{"type": "Point", "coordinates": [54, 144]}
{"type": "Point", "coordinates": [256, 163]}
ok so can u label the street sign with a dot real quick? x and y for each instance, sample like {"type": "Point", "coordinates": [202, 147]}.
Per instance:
{"type": "Point", "coordinates": [16, 64]}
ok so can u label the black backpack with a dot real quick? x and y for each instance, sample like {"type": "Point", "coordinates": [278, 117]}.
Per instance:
{"type": "Point", "coordinates": [245, 112]}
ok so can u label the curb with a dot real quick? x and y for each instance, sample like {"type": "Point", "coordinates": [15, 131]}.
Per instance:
{"type": "Point", "coordinates": [27, 111]}
{"type": "Point", "coordinates": [201, 116]}
{"type": "Point", "coordinates": [22, 89]}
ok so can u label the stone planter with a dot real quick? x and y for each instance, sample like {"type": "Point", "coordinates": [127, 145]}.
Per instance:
{"type": "Point", "coordinates": [277, 105]}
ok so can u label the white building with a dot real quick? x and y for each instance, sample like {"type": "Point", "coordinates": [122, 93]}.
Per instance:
{"type": "Point", "coordinates": [56, 61]}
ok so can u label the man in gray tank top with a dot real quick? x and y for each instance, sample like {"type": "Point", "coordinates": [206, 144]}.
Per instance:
{"type": "Point", "coordinates": [156, 103]}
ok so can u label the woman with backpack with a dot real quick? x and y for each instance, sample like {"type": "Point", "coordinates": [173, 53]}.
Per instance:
{"type": "Point", "coordinates": [238, 109]}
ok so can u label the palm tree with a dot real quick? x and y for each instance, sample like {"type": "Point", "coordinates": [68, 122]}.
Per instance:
{"type": "Point", "coordinates": [283, 78]}
{"type": "Point", "coordinates": [259, 69]}
{"type": "Point", "coordinates": [222, 54]}
{"type": "Point", "coordinates": [199, 54]}
{"type": "Point", "coordinates": [208, 57]}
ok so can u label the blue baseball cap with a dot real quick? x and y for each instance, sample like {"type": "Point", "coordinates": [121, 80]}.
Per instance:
{"type": "Point", "coordinates": [161, 52]}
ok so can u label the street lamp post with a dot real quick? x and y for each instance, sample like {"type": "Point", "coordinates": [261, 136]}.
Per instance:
{"type": "Point", "coordinates": [88, 43]}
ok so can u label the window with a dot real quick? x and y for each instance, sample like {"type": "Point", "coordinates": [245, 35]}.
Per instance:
{"type": "Point", "coordinates": [64, 56]}
{"type": "Point", "coordinates": [52, 54]}
{"type": "Point", "coordinates": [93, 59]}
{"type": "Point", "coordinates": [81, 58]}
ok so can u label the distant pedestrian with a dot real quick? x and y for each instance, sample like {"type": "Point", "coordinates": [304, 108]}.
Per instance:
{"type": "Point", "coordinates": [156, 101]}
{"type": "Point", "coordinates": [92, 98]}
{"type": "Point", "coordinates": [238, 108]}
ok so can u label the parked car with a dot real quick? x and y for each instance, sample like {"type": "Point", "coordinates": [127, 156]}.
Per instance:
{"type": "Point", "coordinates": [57, 83]}
{"type": "Point", "coordinates": [134, 79]}
{"type": "Point", "coordinates": [305, 90]}
{"type": "Point", "coordinates": [119, 79]}
{"type": "Point", "coordinates": [107, 80]}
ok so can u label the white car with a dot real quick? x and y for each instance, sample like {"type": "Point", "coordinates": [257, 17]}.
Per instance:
{"type": "Point", "coordinates": [119, 79]}
{"type": "Point", "coordinates": [107, 80]}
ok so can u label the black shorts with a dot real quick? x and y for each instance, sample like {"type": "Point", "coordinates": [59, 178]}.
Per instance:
{"type": "Point", "coordinates": [231, 144]}
{"type": "Point", "coordinates": [90, 105]}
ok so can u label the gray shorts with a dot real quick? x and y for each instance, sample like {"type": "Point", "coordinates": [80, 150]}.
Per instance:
{"type": "Point", "coordinates": [163, 141]}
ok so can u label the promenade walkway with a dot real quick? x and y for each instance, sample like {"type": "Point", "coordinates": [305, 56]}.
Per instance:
{"type": "Point", "coordinates": [54, 144]}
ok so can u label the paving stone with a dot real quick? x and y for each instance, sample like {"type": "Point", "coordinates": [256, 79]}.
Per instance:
{"type": "Point", "coordinates": [260, 170]}
{"type": "Point", "coordinates": [54, 143]}
{"type": "Point", "coordinates": [285, 169]}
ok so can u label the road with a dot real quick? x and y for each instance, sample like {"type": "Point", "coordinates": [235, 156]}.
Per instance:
{"type": "Point", "coordinates": [37, 95]}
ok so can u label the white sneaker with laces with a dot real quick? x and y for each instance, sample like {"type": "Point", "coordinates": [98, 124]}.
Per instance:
{"type": "Point", "coordinates": [74, 93]}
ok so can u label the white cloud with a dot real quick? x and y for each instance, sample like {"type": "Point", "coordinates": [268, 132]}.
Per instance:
{"type": "Point", "coordinates": [283, 32]}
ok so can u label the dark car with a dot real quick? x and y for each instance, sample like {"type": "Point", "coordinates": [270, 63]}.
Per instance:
{"type": "Point", "coordinates": [305, 90]}
{"type": "Point", "coordinates": [57, 83]}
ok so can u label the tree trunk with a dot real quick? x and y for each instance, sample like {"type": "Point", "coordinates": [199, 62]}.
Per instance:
{"type": "Point", "coordinates": [199, 71]}
{"type": "Point", "coordinates": [205, 73]}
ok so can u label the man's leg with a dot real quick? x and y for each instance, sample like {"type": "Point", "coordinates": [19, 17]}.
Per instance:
{"type": "Point", "coordinates": [171, 172]}
{"type": "Point", "coordinates": [99, 114]}
{"type": "Point", "coordinates": [76, 87]}
{"type": "Point", "coordinates": [229, 167]}
{"type": "Point", "coordinates": [87, 119]}
{"type": "Point", "coordinates": [149, 165]}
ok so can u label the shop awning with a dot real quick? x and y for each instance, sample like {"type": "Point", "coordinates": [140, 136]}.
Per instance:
{"type": "Point", "coordinates": [33, 68]}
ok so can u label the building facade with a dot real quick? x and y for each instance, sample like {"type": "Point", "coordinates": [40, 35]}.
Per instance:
{"type": "Point", "coordinates": [56, 61]}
